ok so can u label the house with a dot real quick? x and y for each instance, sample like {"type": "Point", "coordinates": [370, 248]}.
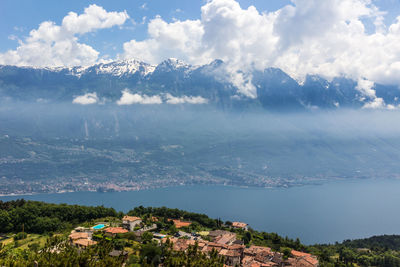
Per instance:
{"type": "Point", "coordinates": [83, 243]}
{"type": "Point", "coordinates": [113, 231]}
{"type": "Point", "coordinates": [232, 257]}
{"type": "Point", "coordinates": [240, 225]}
{"type": "Point", "coordinates": [130, 222]}
{"type": "Point", "coordinates": [254, 250]}
{"type": "Point", "coordinates": [257, 256]}
{"type": "Point", "coordinates": [239, 255]}
{"type": "Point", "coordinates": [78, 235]}
{"type": "Point", "coordinates": [180, 244]}
{"type": "Point", "coordinates": [303, 259]}
{"type": "Point", "coordinates": [81, 239]}
{"type": "Point", "coordinates": [217, 233]}
{"type": "Point", "coordinates": [226, 239]}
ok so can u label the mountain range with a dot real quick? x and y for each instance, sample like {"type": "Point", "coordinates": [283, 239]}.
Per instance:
{"type": "Point", "coordinates": [173, 79]}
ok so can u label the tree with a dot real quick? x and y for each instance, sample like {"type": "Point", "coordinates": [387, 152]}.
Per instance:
{"type": "Point", "coordinates": [247, 238]}
{"type": "Point", "coordinates": [150, 253]}
{"type": "Point", "coordinates": [5, 222]}
{"type": "Point", "coordinates": [20, 235]}
{"type": "Point", "coordinates": [287, 252]}
{"type": "Point", "coordinates": [147, 237]}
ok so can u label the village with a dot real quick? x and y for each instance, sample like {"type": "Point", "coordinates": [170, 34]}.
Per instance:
{"type": "Point", "coordinates": [225, 242]}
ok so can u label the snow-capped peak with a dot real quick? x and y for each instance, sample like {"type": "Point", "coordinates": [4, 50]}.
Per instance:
{"type": "Point", "coordinates": [115, 68]}
{"type": "Point", "coordinates": [174, 64]}
{"type": "Point", "coordinates": [123, 67]}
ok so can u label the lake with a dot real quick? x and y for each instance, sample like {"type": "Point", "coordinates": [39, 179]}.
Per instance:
{"type": "Point", "coordinates": [316, 213]}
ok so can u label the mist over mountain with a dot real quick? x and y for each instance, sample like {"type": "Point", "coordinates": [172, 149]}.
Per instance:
{"type": "Point", "coordinates": [174, 82]}
{"type": "Point", "coordinates": [129, 125]}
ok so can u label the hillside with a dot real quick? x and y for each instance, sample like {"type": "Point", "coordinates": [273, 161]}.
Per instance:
{"type": "Point", "coordinates": [33, 231]}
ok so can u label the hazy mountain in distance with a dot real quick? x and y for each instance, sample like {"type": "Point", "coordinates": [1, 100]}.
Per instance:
{"type": "Point", "coordinates": [275, 90]}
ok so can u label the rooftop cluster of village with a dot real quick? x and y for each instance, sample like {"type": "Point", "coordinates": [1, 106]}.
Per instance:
{"type": "Point", "coordinates": [228, 243]}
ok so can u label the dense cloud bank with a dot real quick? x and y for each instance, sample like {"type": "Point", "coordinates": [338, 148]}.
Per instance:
{"type": "Point", "coordinates": [69, 119]}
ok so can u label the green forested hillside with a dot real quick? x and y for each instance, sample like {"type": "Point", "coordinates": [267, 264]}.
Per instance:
{"type": "Point", "coordinates": [33, 231]}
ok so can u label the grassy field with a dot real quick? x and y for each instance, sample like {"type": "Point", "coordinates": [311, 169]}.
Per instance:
{"type": "Point", "coordinates": [23, 244]}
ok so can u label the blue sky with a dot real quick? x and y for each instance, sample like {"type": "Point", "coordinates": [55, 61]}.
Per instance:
{"type": "Point", "coordinates": [17, 21]}
{"type": "Point", "coordinates": [19, 17]}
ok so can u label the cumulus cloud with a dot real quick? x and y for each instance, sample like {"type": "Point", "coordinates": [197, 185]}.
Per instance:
{"type": "Point", "coordinates": [86, 99]}
{"type": "Point", "coordinates": [128, 98]}
{"type": "Point", "coordinates": [181, 39]}
{"type": "Point", "coordinates": [366, 87]}
{"type": "Point", "coordinates": [377, 103]}
{"type": "Point", "coordinates": [94, 17]}
{"type": "Point", "coordinates": [58, 45]}
{"type": "Point", "coordinates": [327, 38]}
{"type": "Point", "coordinates": [170, 99]}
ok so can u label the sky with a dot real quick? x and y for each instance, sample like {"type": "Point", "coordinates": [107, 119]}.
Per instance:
{"type": "Point", "coordinates": [359, 39]}
{"type": "Point", "coordinates": [16, 23]}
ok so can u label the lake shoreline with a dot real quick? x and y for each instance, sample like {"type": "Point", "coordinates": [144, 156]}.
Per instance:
{"type": "Point", "coordinates": [326, 213]}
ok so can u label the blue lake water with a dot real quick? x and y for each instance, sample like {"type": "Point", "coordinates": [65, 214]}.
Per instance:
{"type": "Point", "coordinates": [316, 214]}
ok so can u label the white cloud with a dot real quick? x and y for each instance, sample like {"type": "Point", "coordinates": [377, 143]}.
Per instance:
{"type": "Point", "coordinates": [128, 98]}
{"type": "Point", "coordinates": [54, 45]}
{"type": "Point", "coordinates": [377, 103]}
{"type": "Point", "coordinates": [178, 39]}
{"type": "Point", "coordinates": [366, 87]}
{"type": "Point", "coordinates": [95, 17]}
{"type": "Point", "coordinates": [185, 100]}
{"type": "Point", "coordinates": [86, 99]}
{"type": "Point", "coordinates": [327, 37]}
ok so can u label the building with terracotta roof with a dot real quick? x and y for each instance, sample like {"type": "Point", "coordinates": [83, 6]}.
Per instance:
{"type": "Point", "coordinates": [240, 225]}
{"type": "Point", "coordinates": [113, 231]}
{"type": "Point", "coordinates": [83, 243]}
{"type": "Point", "coordinates": [254, 256]}
{"type": "Point", "coordinates": [227, 238]}
{"type": "Point", "coordinates": [232, 257]}
{"type": "Point", "coordinates": [302, 259]}
{"type": "Point", "coordinates": [254, 250]}
{"type": "Point", "coordinates": [260, 257]}
{"type": "Point", "coordinates": [130, 222]}
{"type": "Point", "coordinates": [81, 239]}
{"type": "Point", "coordinates": [78, 235]}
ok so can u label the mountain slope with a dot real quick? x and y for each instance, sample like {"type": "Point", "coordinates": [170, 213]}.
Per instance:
{"type": "Point", "coordinates": [276, 90]}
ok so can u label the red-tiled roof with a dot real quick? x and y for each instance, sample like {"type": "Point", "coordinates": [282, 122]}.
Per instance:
{"type": "Point", "coordinates": [115, 230]}
{"type": "Point", "coordinates": [77, 235]}
{"type": "Point", "coordinates": [229, 253]}
{"type": "Point", "coordinates": [84, 242]}
{"type": "Point", "coordinates": [226, 238]}
{"type": "Point", "coordinates": [239, 224]}
{"type": "Point", "coordinates": [307, 257]}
